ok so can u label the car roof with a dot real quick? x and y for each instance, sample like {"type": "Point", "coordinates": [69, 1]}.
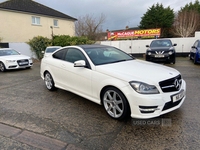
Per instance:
{"type": "Point", "coordinates": [6, 49]}
{"type": "Point", "coordinates": [53, 46]}
{"type": "Point", "coordinates": [92, 46]}
{"type": "Point", "coordinates": [162, 40]}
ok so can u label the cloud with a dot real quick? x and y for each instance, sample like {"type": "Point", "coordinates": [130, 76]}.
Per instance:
{"type": "Point", "coordinates": [119, 13]}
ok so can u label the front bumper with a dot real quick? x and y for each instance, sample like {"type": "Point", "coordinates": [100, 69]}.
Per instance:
{"type": "Point", "coordinates": [17, 65]}
{"type": "Point", "coordinates": [149, 106]}
{"type": "Point", "coordinates": [161, 58]}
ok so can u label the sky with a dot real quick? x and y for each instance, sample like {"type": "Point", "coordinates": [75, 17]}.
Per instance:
{"type": "Point", "coordinates": [119, 13]}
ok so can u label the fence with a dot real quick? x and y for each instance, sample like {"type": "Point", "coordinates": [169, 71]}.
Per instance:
{"type": "Point", "coordinates": [139, 46]}
{"type": "Point", "coordinates": [135, 47]}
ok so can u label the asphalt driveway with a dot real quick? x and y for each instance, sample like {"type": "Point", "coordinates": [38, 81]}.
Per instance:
{"type": "Point", "coordinates": [31, 117]}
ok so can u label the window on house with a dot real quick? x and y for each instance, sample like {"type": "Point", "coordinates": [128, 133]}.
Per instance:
{"type": "Point", "coordinates": [55, 23]}
{"type": "Point", "coordinates": [36, 20]}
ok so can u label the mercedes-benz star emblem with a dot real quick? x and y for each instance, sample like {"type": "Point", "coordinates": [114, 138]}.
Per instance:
{"type": "Point", "coordinates": [177, 84]}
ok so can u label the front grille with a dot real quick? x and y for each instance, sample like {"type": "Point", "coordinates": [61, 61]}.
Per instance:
{"type": "Point", "coordinates": [160, 52]}
{"type": "Point", "coordinates": [170, 85]}
{"type": "Point", "coordinates": [23, 62]}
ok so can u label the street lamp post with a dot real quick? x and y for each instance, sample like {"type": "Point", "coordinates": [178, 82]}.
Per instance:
{"type": "Point", "coordinates": [51, 31]}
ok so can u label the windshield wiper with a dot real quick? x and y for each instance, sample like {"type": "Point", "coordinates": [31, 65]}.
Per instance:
{"type": "Point", "coordinates": [121, 60]}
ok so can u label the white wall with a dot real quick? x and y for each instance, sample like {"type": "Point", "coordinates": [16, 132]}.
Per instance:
{"type": "Point", "coordinates": [23, 48]}
{"type": "Point", "coordinates": [139, 46]}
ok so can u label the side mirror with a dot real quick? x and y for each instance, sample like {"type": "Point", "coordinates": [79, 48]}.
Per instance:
{"type": "Point", "coordinates": [193, 47]}
{"type": "Point", "coordinates": [42, 52]}
{"type": "Point", "coordinates": [147, 45]}
{"type": "Point", "coordinates": [79, 63]}
{"type": "Point", "coordinates": [175, 44]}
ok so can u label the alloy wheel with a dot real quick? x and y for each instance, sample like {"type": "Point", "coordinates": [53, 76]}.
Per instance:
{"type": "Point", "coordinates": [49, 82]}
{"type": "Point", "coordinates": [2, 67]}
{"type": "Point", "coordinates": [113, 104]}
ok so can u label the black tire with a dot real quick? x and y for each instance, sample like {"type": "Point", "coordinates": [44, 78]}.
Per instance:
{"type": "Point", "coordinates": [2, 67]}
{"type": "Point", "coordinates": [174, 61]}
{"type": "Point", "coordinates": [49, 82]}
{"type": "Point", "coordinates": [115, 103]}
{"type": "Point", "coordinates": [190, 57]}
{"type": "Point", "coordinates": [146, 58]}
{"type": "Point", "coordinates": [195, 62]}
{"type": "Point", "coordinates": [28, 67]}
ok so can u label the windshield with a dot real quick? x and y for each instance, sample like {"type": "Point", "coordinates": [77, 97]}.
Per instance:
{"type": "Point", "coordinates": [161, 43]}
{"type": "Point", "coordinates": [8, 52]}
{"type": "Point", "coordinates": [51, 49]}
{"type": "Point", "coordinates": [106, 55]}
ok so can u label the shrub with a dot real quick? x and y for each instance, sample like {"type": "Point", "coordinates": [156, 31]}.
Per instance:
{"type": "Point", "coordinates": [66, 40]}
{"type": "Point", "coordinates": [39, 44]}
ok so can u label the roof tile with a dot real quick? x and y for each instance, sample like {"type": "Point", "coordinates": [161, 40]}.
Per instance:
{"type": "Point", "coordinates": [30, 6]}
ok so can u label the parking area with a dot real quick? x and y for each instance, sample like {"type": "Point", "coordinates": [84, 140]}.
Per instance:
{"type": "Point", "coordinates": [31, 117]}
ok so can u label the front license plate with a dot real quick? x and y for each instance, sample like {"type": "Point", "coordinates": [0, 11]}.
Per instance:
{"type": "Point", "coordinates": [178, 96]}
{"type": "Point", "coordinates": [159, 56]}
{"type": "Point", "coordinates": [23, 63]}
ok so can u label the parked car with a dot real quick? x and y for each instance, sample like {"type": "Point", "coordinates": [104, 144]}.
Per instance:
{"type": "Point", "coordinates": [108, 76]}
{"type": "Point", "coordinates": [195, 52]}
{"type": "Point", "coordinates": [161, 51]}
{"type": "Point", "coordinates": [50, 49]}
{"type": "Point", "coordinates": [11, 59]}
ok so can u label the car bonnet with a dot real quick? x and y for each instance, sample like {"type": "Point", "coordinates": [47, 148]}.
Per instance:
{"type": "Point", "coordinates": [138, 70]}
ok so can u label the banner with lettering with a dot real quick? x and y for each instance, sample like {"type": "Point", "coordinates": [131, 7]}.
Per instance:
{"type": "Point", "coordinates": [134, 34]}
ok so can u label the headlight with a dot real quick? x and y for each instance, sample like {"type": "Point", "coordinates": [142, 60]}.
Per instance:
{"type": "Point", "coordinates": [171, 48]}
{"type": "Point", "coordinates": [30, 59]}
{"type": "Point", "coordinates": [149, 49]}
{"type": "Point", "coordinates": [149, 53]}
{"type": "Point", "coordinates": [170, 53]}
{"type": "Point", "coordinates": [144, 88]}
{"type": "Point", "coordinates": [10, 61]}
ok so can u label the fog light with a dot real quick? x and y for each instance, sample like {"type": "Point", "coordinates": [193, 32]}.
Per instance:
{"type": "Point", "coordinates": [149, 53]}
{"type": "Point", "coordinates": [148, 109]}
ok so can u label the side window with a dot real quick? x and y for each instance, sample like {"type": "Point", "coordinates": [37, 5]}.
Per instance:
{"type": "Point", "coordinates": [196, 43]}
{"type": "Point", "coordinates": [59, 55]}
{"type": "Point", "coordinates": [74, 55]}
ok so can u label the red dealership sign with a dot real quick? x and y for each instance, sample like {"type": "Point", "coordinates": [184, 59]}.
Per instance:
{"type": "Point", "coordinates": [134, 33]}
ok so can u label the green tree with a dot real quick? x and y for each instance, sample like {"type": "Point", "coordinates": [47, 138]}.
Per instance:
{"type": "Point", "coordinates": [191, 6]}
{"type": "Point", "coordinates": [39, 44]}
{"type": "Point", "coordinates": [158, 17]}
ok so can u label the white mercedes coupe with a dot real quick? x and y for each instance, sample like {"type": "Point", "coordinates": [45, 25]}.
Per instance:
{"type": "Point", "coordinates": [11, 59]}
{"type": "Point", "coordinates": [108, 76]}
